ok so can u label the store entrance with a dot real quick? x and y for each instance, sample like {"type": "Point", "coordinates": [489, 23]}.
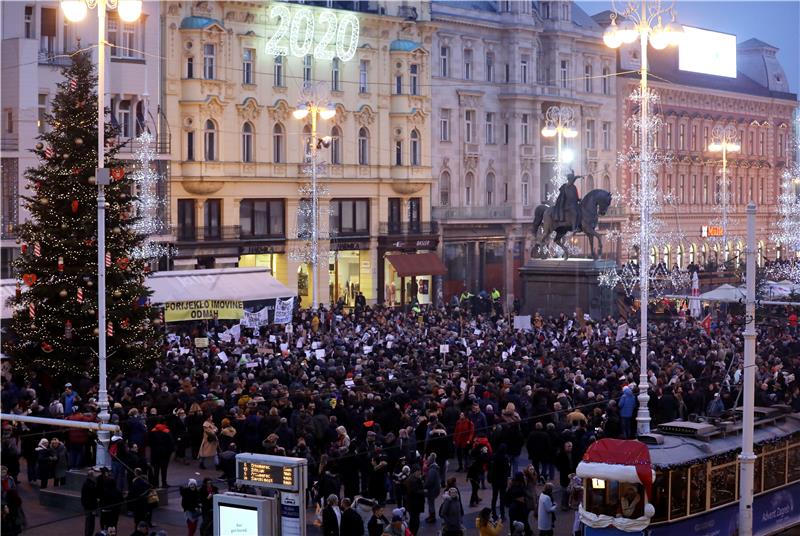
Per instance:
{"type": "Point", "coordinates": [344, 269]}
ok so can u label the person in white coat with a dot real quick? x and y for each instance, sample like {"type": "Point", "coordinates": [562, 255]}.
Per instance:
{"type": "Point", "coordinates": [547, 508]}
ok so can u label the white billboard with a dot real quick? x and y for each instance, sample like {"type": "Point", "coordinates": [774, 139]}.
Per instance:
{"type": "Point", "coordinates": [704, 51]}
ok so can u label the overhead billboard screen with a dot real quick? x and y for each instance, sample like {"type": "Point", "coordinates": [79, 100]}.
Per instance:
{"type": "Point", "coordinates": [707, 52]}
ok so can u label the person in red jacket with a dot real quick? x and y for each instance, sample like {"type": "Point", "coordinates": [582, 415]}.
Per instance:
{"type": "Point", "coordinates": [77, 439]}
{"type": "Point", "coordinates": [462, 437]}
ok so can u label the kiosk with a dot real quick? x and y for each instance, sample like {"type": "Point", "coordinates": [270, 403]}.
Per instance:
{"type": "Point", "coordinates": [236, 514]}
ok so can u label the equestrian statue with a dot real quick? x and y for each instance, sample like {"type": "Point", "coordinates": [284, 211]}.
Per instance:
{"type": "Point", "coordinates": [571, 214]}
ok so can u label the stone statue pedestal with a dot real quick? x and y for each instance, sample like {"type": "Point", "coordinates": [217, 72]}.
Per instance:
{"type": "Point", "coordinates": [554, 286]}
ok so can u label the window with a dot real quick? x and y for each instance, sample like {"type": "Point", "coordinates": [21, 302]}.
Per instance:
{"type": "Point", "coordinates": [278, 148]}
{"type": "Point", "coordinates": [668, 136]}
{"type": "Point", "coordinates": [363, 146]}
{"type": "Point", "coordinates": [416, 155]}
{"type": "Point", "coordinates": [209, 55]}
{"type": "Point", "coordinates": [444, 62]}
{"type": "Point", "coordinates": [124, 118]}
{"type": "Point", "coordinates": [247, 142]}
{"type": "Point", "coordinates": [545, 7]}
{"type": "Point", "coordinates": [564, 11]}
{"type": "Point", "coordinates": [349, 216]}
{"type": "Point", "coordinates": [414, 70]}
{"type": "Point", "coordinates": [186, 225]}
{"type": "Point", "coordinates": [398, 84]}
{"type": "Point", "coordinates": [490, 66]}
{"type": "Point", "coordinates": [335, 75]}
{"type": "Point", "coordinates": [398, 153]}
{"type": "Point", "coordinates": [490, 128]}
{"type": "Point", "coordinates": [524, 129]}
{"type": "Point", "coordinates": [212, 211]}
{"type": "Point", "coordinates": [490, 189]}
{"type": "Point", "coordinates": [190, 67]}
{"type": "Point", "coordinates": [469, 126]}
{"type": "Point", "coordinates": [606, 136]}
{"type": "Point", "coordinates": [762, 136]}
{"type": "Point", "coordinates": [211, 141]}
{"type": "Point", "coordinates": [506, 133]}
{"type": "Point", "coordinates": [29, 22]}
{"type": "Point", "coordinates": [523, 69]}
{"type": "Point", "coordinates": [635, 135]}
{"type": "Point", "coordinates": [308, 67]}
{"type": "Point", "coordinates": [467, 64]}
{"type": "Point", "coordinates": [9, 120]}
{"type": "Point", "coordinates": [564, 73]}
{"type": "Point", "coordinates": [395, 214]}
{"type": "Point", "coordinates": [41, 118]}
{"type": "Point", "coordinates": [469, 184]}
{"type": "Point", "coordinates": [47, 32]}
{"type": "Point", "coordinates": [525, 193]}
{"type": "Point", "coordinates": [682, 137]}
{"type": "Point", "coordinates": [444, 125]}
{"type": "Point", "coordinates": [587, 79]}
{"type": "Point", "coordinates": [694, 138]}
{"type": "Point", "coordinates": [414, 214]}
{"type": "Point", "coordinates": [781, 145]}
{"type": "Point", "coordinates": [590, 134]}
{"type": "Point", "coordinates": [190, 146]}
{"type": "Point", "coordinates": [751, 148]}
{"type": "Point", "coordinates": [705, 190]}
{"type": "Point", "coordinates": [444, 189]}
{"type": "Point", "coordinates": [336, 145]}
{"type": "Point", "coordinates": [363, 77]}
{"type": "Point", "coordinates": [277, 71]}
{"type": "Point", "coordinates": [507, 73]}
{"type": "Point", "coordinates": [705, 139]}
{"type": "Point", "coordinates": [262, 218]}
{"type": "Point", "coordinates": [606, 81]}
{"type": "Point", "coordinates": [247, 65]}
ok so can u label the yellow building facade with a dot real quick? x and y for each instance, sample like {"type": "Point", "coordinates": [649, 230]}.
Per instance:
{"type": "Point", "coordinates": [233, 75]}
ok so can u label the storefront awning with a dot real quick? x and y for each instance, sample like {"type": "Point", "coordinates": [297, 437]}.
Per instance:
{"type": "Point", "coordinates": [241, 284]}
{"type": "Point", "coordinates": [411, 264]}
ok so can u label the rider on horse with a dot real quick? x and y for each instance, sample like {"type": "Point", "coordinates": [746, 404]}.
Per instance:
{"type": "Point", "coordinates": [567, 203]}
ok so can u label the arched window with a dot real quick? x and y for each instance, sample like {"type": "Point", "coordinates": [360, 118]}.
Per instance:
{"type": "Point", "coordinates": [490, 189]}
{"type": "Point", "coordinates": [336, 145]}
{"type": "Point", "coordinates": [363, 146]}
{"type": "Point", "coordinates": [738, 252]}
{"type": "Point", "coordinates": [692, 253]}
{"type": "Point", "coordinates": [589, 183]}
{"type": "Point", "coordinates": [278, 149]}
{"type": "Point", "coordinates": [665, 256]}
{"type": "Point", "coordinates": [247, 142]}
{"type": "Point", "coordinates": [211, 141]}
{"type": "Point", "coordinates": [415, 148]}
{"type": "Point", "coordinates": [469, 185]}
{"type": "Point", "coordinates": [653, 255]}
{"type": "Point", "coordinates": [307, 143]}
{"type": "Point", "coordinates": [679, 257]}
{"type": "Point", "coordinates": [444, 189]}
{"type": "Point", "coordinates": [606, 183]}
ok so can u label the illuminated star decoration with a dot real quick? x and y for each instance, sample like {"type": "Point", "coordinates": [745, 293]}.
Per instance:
{"type": "Point", "coordinates": [147, 202]}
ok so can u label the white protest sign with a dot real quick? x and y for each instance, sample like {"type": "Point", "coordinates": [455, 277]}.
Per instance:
{"type": "Point", "coordinates": [319, 353]}
{"type": "Point", "coordinates": [444, 348]}
{"type": "Point", "coordinates": [272, 338]}
{"type": "Point", "coordinates": [283, 311]}
{"type": "Point", "coordinates": [522, 322]}
{"type": "Point", "coordinates": [223, 357]}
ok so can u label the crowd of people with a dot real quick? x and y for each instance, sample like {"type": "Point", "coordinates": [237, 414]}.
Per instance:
{"type": "Point", "coordinates": [392, 409]}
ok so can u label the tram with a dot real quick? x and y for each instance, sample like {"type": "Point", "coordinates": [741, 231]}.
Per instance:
{"type": "Point", "coordinates": [694, 489]}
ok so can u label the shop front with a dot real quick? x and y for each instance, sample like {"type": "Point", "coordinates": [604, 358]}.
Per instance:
{"type": "Point", "coordinates": [409, 269]}
{"type": "Point", "coordinates": [273, 257]}
{"type": "Point", "coordinates": [350, 271]}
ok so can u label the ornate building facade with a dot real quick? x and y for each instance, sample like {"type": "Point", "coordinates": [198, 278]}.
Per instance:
{"type": "Point", "coordinates": [497, 68]}
{"type": "Point", "coordinates": [759, 107]}
{"type": "Point", "coordinates": [240, 157]}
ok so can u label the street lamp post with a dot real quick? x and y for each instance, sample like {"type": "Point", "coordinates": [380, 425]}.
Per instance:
{"type": "Point", "coordinates": [638, 23]}
{"type": "Point", "coordinates": [75, 11]}
{"type": "Point", "coordinates": [559, 121]}
{"type": "Point", "coordinates": [313, 106]}
{"type": "Point", "coordinates": [724, 140]}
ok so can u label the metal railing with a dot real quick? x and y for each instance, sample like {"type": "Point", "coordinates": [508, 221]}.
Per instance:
{"type": "Point", "coordinates": [160, 144]}
{"type": "Point", "coordinates": [471, 213]}
{"type": "Point", "coordinates": [9, 144]}
{"type": "Point", "coordinates": [408, 228]}
{"type": "Point", "coordinates": [218, 234]}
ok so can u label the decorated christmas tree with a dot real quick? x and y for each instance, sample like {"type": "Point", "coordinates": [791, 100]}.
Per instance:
{"type": "Point", "coordinates": [55, 325]}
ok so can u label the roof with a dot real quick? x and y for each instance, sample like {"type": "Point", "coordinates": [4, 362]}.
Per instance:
{"type": "Point", "coordinates": [475, 5]}
{"type": "Point", "coordinates": [754, 43]}
{"type": "Point", "coordinates": [199, 23]}
{"type": "Point", "coordinates": [240, 284]}
{"type": "Point", "coordinates": [404, 45]}
{"type": "Point", "coordinates": [582, 19]}
{"type": "Point", "coordinates": [413, 264]}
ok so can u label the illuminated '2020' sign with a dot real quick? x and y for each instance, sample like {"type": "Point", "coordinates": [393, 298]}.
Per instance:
{"type": "Point", "coordinates": [339, 37]}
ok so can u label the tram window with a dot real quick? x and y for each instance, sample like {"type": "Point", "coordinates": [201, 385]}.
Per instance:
{"type": "Point", "coordinates": [612, 498]}
{"type": "Point", "coordinates": [723, 485]}
{"type": "Point", "coordinates": [660, 499]}
{"type": "Point", "coordinates": [697, 488]}
{"type": "Point", "coordinates": [774, 469]}
{"type": "Point", "coordinates": [794, 463]}
{"type": "Point", "coordinates": [679, 485]}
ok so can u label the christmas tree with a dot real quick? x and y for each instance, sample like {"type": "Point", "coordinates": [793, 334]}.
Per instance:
{"type": "Point", "coordinates": [55, 325]}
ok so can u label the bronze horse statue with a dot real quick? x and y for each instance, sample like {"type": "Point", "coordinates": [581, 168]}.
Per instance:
{"type": "Point", "coordinates": [593, 205]}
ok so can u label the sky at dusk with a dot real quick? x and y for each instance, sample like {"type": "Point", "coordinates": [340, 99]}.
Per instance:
{"type": "Point", "coordinates": [776, 23]}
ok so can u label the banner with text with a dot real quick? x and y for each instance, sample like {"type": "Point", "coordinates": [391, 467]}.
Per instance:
{"type": "Point", "coordinates": [203, 310]}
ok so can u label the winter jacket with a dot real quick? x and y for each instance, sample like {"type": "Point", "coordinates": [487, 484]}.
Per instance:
{"type": "Point", "coordinates": [464, 432]}
{"type": "Point", "coordinates": [161, 443]}
{"type": "Point", "coordinates": [627, 404]}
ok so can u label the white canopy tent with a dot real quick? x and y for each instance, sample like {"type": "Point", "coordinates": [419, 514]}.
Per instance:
{"type": "Point", "coordinates": [725, 293]}
{"type": "Point", "coordinates": [241, 284]}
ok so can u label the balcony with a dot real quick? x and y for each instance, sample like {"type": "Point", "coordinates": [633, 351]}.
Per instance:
{"type": "Point", "coordinates": [408, 228]}
{"type": "Point", "coordinates": [160, 144]}
{"type": "Point", "coordinates": [191, 235]}
{"type": "Point", "coordinates": [471, 149]}
{"type": "Point", "coordinates": [471, 213]}
{"type": "Point", "coordinates": [9, 229]}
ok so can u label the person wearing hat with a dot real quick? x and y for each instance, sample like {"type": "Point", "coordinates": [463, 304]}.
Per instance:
{"type": "Point", "coordinates": [45, 462]}
{"type": "Point", "coordinates": [161, 448]}
{"type": "Point", "coordinates": [190, 503]}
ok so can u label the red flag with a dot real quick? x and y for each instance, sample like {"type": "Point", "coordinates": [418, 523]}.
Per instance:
{"type": "Point", "coordinates": [706, 323]}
